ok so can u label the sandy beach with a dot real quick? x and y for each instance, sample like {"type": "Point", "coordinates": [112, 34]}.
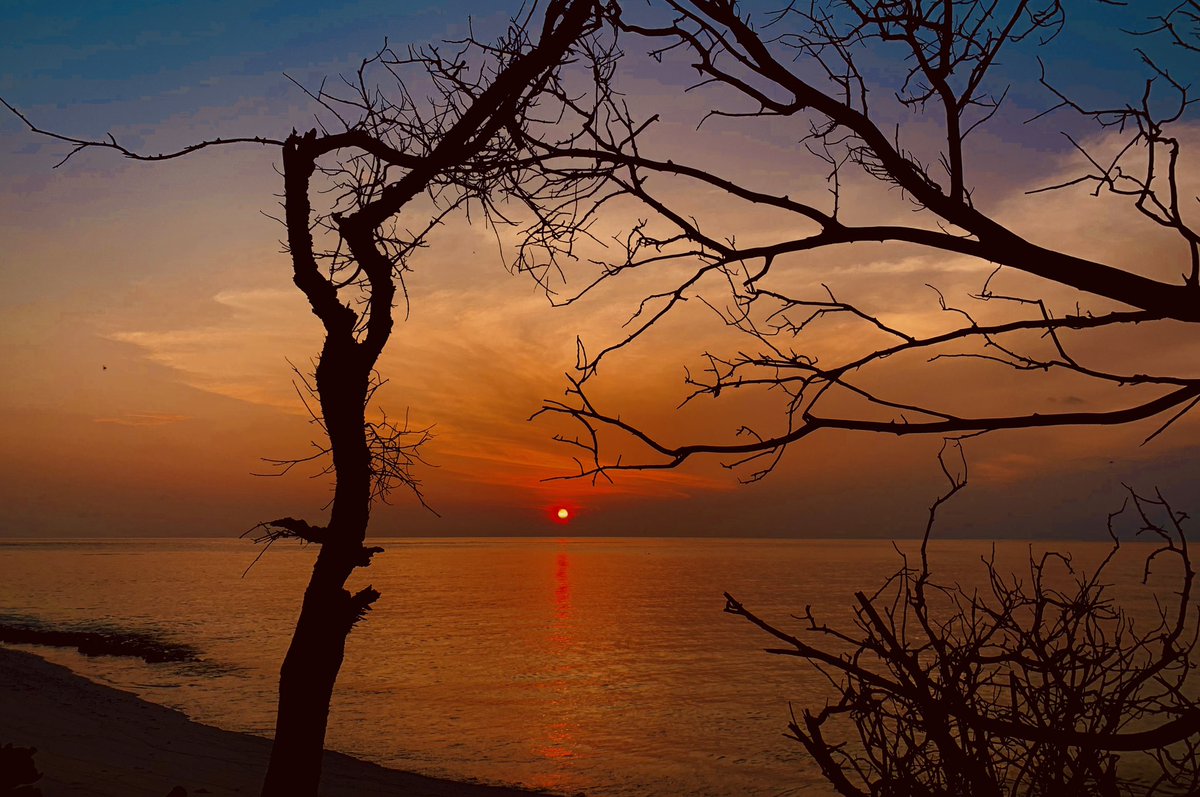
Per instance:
{"type": "Point", "coordinates": [95, 740]}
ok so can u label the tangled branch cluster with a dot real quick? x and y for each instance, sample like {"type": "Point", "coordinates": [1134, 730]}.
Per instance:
{"type": "Point", "coordinates": [1039, 684]}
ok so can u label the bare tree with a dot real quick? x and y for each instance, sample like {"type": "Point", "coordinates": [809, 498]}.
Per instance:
{"type": "Point", "coordinates": [388, 168]}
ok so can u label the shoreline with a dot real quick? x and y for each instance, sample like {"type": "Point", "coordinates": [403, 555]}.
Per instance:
{"type": "Point", "coordinates": [98, 741]}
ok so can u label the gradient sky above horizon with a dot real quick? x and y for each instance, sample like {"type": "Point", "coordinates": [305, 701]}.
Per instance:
{"type": "Point", "coordinates": [147, 317]}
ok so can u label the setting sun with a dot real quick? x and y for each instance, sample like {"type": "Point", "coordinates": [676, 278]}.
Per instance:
{"type": "Point", "coordinates": [563, 514]}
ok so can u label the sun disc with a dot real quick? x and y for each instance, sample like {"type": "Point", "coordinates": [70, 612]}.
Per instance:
{"type": "Point", "coordinates": [563, 514]}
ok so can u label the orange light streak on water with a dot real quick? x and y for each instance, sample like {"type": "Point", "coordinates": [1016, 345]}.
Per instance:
{"type": "Point", "coordinates": [557, 737]}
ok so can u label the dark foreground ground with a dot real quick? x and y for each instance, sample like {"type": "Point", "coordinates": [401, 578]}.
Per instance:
{"type": "Point", "coordinates": [94, 740]}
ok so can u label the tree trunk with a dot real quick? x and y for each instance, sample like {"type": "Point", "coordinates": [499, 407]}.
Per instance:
{"type": "Point", "coordinates": [306, 683]}
{"type": "Point", "coordinates": [329, 611]}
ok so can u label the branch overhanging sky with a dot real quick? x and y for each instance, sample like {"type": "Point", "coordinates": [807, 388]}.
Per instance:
{"type": "Point", "coordinates": [147, 316]}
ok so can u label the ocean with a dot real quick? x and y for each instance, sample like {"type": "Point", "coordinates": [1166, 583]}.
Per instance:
{"type": "Point", "coordinates": [593, 666]}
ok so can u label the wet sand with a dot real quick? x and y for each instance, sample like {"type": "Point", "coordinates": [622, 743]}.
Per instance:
{"type": "Point", "coordinates": [95, 740]}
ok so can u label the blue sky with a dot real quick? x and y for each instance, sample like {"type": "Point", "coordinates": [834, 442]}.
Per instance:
{"type": "Point", "coordinates": [123, 63]}
{"type": "Point", "coordinates": [69, 54]}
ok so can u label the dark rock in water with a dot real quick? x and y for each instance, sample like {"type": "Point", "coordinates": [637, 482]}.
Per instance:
{"type": "Point", "coordinates": [95, 640]}
{"type": "Point", "coordinates": [178, 791]}
{"type": "Point", "coordinates": [17, 772]}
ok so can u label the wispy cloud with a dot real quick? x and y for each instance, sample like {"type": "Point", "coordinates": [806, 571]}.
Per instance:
{"type": "Point", "coordinates": [143, 419]}
{"type": "Point", "coordinates": [240, 355]}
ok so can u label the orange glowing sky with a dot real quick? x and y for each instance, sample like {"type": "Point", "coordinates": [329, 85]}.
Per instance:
{"type": "Point", "coordinates": [147, 318]}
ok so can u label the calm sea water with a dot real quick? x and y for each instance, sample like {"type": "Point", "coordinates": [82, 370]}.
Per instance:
{"type": "Point", "coordinates": [601, 666]}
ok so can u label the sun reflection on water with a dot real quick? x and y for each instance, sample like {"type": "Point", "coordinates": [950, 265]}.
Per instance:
{"type": "Point", "coordinates": [556, 742]}
{"type": "Point", "coordinates": [562, 598]}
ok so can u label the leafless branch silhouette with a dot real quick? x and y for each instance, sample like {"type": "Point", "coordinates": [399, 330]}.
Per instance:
{"type": "Point", "coordinates": [802, 67]}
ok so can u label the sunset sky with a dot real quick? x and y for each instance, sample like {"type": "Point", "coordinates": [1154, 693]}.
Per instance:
{"type": "Point", "coordinates": [147, 315]}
